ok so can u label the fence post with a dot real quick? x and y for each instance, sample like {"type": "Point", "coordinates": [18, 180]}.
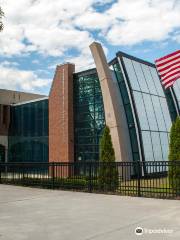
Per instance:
{"type": "Point", "coordinates": [139, 177]}
{"type": "Point", "coordinates": [90, 178]}
{"type": "Point", "coordinates": [52, 175]}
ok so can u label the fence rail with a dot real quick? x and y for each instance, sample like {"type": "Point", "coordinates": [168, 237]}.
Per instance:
{"type": "Point", "coordinates": [147, 179]}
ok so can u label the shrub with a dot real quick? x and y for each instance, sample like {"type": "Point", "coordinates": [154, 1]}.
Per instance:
{"type": "Point", "coordinates": [108, 173]}
{"type": "Point", "coordinates": [174, 157]}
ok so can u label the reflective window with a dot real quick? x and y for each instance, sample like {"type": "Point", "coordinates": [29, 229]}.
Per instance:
{"type": "Point", "coordinates": [147, 144]}
{"type": "Point", "coordinates": [131, 74]}
{"type": "Point", "coordinates": [149, 79]}
{"type": "Point", "coordinates": [140, 77]}
{"type": "Point", "coordinates": [159, 113]}
{"type": "Point", "coordinates": [151, 108]}
{"type": "Point", "coordinates": [165, 113]}
{"type": "Point", "coordinates": [150, 112]}
{"type": "Point", "coordinates": [165, 145]}
{"type": "Point", "coordinates": [156, 146]}
{"type": "Point", "coordinates": [171, 104]}
{"type": "Point", "coordinates": [128, 111]}
{"type": "Point", "coordinates": [28, 134]}
{"type": "Point", "coordinates": [157, 81]}
{"type": "Point", "coordinates": [141, 111]}
{"type": "Point", "coordinates": [89, 116]}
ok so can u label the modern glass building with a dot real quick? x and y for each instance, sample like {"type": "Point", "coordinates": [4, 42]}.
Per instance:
{"type": "Point", "coordinates": [124, 94]}
{"type": "Point", "coordinates": [28, 132]}
{"type": "Point", "coordinates": [149, 105]}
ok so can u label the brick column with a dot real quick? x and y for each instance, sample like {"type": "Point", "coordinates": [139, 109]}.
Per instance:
{"type": "Point", "coordinates": [61, 129]}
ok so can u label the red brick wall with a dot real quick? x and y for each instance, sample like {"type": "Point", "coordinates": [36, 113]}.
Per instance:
{"type": "Point", "coordinates": [61, 129]}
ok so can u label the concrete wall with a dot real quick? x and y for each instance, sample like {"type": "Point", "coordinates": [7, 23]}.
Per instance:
{"type": "Point", "coordinates": [8, 97]}
{"type": "Point", "coordinates": [113, 106]}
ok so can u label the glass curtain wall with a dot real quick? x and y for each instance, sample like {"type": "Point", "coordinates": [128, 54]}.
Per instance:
{"type": "Point", "coordinates": [151, 108]}
{"type": "Point", "coordinates": [128, 110]}
{"type": "Point", "coordinates": [171, 104]}
{"type": "Point", "coordinates": [28, 135]}
{"type": "Point", "coordinates": [89, 115]}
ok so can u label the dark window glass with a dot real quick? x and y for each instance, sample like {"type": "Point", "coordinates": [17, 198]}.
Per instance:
{"type": "Point", "coordinates": [127, 106]}
{"type": "Point", "coordinates": [28, 138]}
{"type": "Point", "coordinates": [89, 116]}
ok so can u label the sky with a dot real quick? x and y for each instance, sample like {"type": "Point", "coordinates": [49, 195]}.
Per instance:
{"type": "Point", "coordinates": [39, 34]}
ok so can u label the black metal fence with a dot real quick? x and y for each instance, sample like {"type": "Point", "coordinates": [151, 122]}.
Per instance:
{"type": "Point", "coordinates": [147, 179]}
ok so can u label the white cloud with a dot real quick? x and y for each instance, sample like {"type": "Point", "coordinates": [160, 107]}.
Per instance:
{"type": "Point", "coordinates": [44, 26]}
{"type": "Point", "coordinates": [129, 22]}
{"type": "Point", "coordinates": [176, 37]}
{"type": "Point", "coordinates": [53, 27]}
{"type": "Point", "coordinates": [83, 62]}
{"type": "Point", "coordinates": [15, 79]}
{"type": "Point", "coordinates": [94, 20]}
{"type": "Point", "coordinates": [142, 20]}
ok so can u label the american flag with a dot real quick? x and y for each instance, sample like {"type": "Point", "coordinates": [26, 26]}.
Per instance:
{"type": "Point", "coordinates": [168, 68]}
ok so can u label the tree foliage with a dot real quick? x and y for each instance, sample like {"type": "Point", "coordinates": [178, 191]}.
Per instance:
{"type": "Point", "coordinates": [108, 173]}
{"type": "Point", "coordinates": [1, 23]}
{"type": "Point", "coordinates": [174, 156]}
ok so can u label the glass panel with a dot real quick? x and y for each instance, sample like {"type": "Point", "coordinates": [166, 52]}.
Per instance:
{"type": "Point", "coordinates": [131, 74]}
{"type": "Point", "coordinates": [150, 112]}
{"type": "Point", "coordinates": [148, 151]}
{"type": "Point", "coordinates": [157, 81]}
{"type": "Point", "coordinates": [156, 146]}
{"type": "Point", "coordinates": [140, 77]}
{"type": "Point", "coordinates": [141, 111]}
{"type": "Point", "coordinates": [89, 116]}
{"type": "Point", "coordinates": [159, 114]}
{"type": "Point", "coordinates": [165, 145]}
{"type": "Point", "coordinates": [165, 113]}
{"type": "Point", "coordinates": [134, 140]}
{"type": "Point", "coordinates": [128, 111]}
{"type": "Point", "coordinates": [151, 107]}
{"type": "Point", "coordinates": [149, 79]}
{"type": "Point", "coordinates": [28, 135]}
{"type": "Point", "coordinates": [171, 105]}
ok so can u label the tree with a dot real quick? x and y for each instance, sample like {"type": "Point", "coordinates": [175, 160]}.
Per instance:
{"type": "Point", "coordinates": [108, 173]}
{"type": "Point", "coordinates": [1, 15]}
{"type": "Point", "coordinates": [174, 157]}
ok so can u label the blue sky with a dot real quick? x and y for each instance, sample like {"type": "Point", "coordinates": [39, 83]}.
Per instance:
{"type": "Point", "coordinates": [39, 34]}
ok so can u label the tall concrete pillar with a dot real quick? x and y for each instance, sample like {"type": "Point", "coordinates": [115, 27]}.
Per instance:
{"type": "Point", "coordinates": [61, 129]}
{"type": "Point", "coordinates": [113, 106]}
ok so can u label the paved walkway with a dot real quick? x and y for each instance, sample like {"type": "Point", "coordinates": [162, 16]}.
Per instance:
{"type": "Point", "coordinates": [37, 214]}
